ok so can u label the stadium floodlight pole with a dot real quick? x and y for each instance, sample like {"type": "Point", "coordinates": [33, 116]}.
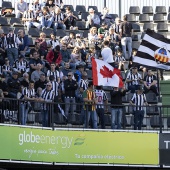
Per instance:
{"type": "Point", "coordinates": [120, 9]}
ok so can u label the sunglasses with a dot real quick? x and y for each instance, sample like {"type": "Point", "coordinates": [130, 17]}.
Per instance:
{"type": "Point", "coordinates": [68, 75]}
{"type": "Point", "coordinates": [48, 85]}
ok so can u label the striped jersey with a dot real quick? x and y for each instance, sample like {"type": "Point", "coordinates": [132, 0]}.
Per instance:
{"type": "Point", "coordinates": [84, 84]}
{"type": "Point", "coordinates": [138, 100]}
{"type": "Point", "coordinates": [22, 66]}
{"type": "Point", "coordinates": [55, 87]}
{"type": "Point", "coordinates": [55, 73]}
{"type": "Point", "coordinates": [119, 58]}
{"type": "Point", "coordinates": [132, 76]}
{"type": "Point", "coordinates": [101, 97]}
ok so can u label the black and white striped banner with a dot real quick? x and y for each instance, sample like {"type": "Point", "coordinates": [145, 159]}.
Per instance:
{"type": "Point", "coordinates": [154, 51]}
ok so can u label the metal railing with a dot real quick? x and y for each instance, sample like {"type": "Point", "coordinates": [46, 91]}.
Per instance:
{"type": "Point", "coordinates": [155, 117]}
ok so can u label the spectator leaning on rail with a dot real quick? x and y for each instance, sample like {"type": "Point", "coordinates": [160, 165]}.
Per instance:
{"type": "Point", "coordinates": [138, 101]}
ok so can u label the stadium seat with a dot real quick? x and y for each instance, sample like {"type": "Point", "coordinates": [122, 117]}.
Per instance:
{"type": "Point", "coordinates": [16, 22]}
{"type": "Point", "coordinates": [34, 32]}
{"type": "Point", "coordinates": [59, 119]}
{"type": "Point", "coordinates": [60, 33]}
{"type": "Point", "coordinates": [134, 10]}
{"type": "Point", "coordinates": [85, 33]}
{"type": "Point", "coordinates": [147, 10]}
{"type": "Point", "coordinates": [168, 122]}
{"type": "Point", "coordinates": [48, 31]}
{"type": "Point", "coordinates": [135, 44]}
{"type": "Point", "coordinates": [74, 119]}
{"type": "Point", "coordinates": [75, 13]}
{"type": "Point", "coordinates": [81, 25]}
{"type": "Point", "coordinates": [3, 21]}
{"type": "Point", "coordinates": [7, 5]}
{"type": "Point", "coordinates": [114, 16]}
{"type": "Point", "coordinates": [156, 122]}
{"type": "Point", "coordinates": [18, 28]}
{"type": "Point", "coordinates": [5, 29]}
{"type": "Point", "coordinates": [151, 98]}
{"type": "Point", "coordinates": [80, 8]}
{"type": "Point", "coordinates": [144, 18]}
{"type": "Point", "coordinates": [158, 18]}
{"type": "Point", "coordinates": [107, 88]}
{"type": "Point", "coordinates": [71, 7]}
{"type": "Point", "coordinates": [162, 27]}
{"type": "Point", "coordinates": [168, 18]}
{"type": "Point", "coordinates": [142, 35]}
{"type": "Point", "coordinates": [94, 8]}
{"type": "Point", "coordinates": [31, 44]}
{"type": "Point", "coordinates": [84, 15]}
{"type": "Point", "coordinates": [131, 18]}
{"type": "Point", "coordinates": [148, 26]}
{"type": "Point", "coordinates": [161, 10]}
{"type": "Point", "coordinates": [107, 119]}
{"type": "Point", "coordinates": [165, 34]}
{"type": "Point", "coordinates": [152, 110]}
{"type": "Point", "coordinates": [134, 37]}
{"type": "Point", "coordinates": [136, 27]}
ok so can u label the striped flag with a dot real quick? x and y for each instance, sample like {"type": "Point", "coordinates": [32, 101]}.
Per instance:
{"type": "Point", "coordinates": [154, 51]}
{"type": "Point", "coordinates": [105, 75]}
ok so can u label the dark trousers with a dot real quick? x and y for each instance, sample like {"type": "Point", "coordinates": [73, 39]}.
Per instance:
{"type": "Point", "coordinates": [152, 88]}
{"type": "Point", "coordinates": [133, 88]}
{"type": "Point", "coordinates": [100, 113]}
{"type": "Point", "coordinates": [138, 119]}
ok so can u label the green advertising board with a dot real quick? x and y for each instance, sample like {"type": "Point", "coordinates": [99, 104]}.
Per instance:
{"type": "Point", "coordinates": [78, 146]}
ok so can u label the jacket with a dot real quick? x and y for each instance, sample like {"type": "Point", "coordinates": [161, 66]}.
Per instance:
{"type": "Point", "coordinates": [50, 57]}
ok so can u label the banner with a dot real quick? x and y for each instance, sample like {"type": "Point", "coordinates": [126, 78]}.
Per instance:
{"type": "Point", "coordinates": [81, 147]}
{"type": "Point", "coordinates": [164, 146]}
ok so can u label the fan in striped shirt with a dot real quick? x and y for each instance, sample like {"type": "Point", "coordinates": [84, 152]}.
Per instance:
{"type": "Point", "coordinates": [138, 100]}
{"type": "Point", "coordinates": [53, 72]}
{"type": "Point", "coordinates": [47, 96]}
{"type": "Point", "coordinates": [6, 69]}
{"type": "Point", "coordinates": [28, 94]}
{"type": "Point", "coordinates": [120, 60]}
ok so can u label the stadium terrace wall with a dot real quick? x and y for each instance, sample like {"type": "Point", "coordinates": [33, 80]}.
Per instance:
{"type": "Point", "coordinates": [79, 147]}
{"type": "Point", "coordinates": [119, 7]}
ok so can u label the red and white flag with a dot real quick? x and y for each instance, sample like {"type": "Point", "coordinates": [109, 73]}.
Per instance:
{"type": "Point", "coordinates": [105, 75]}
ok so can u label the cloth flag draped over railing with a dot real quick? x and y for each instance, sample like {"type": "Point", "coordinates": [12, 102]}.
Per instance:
{"type": "Point", "coordinates": [154, 51]}
{"type": "Point", "coordinates": [105, 75]}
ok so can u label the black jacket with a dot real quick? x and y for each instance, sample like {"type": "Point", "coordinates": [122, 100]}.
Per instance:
{"type": "Point", "coordinates": [70, 88]}
{"type": "Point", "coordinates": [116, 98]}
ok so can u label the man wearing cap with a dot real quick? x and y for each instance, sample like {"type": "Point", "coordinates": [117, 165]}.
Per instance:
{"type": "Point", "coordinates": [138, 100]}
{"type": "Point", "coordinates": [92, 19]}
{"type": "Point", "coordinates": [14, 85]}
{"type": "Point", "coordinates": [11, 42]}
{"type": "Point", "coordinates": [21, 65]}
{"type": "Point", "coordinates": [134, 79]}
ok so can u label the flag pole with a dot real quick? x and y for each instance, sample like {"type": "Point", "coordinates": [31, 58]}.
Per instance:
{"type": "Point", "coordinates": [158, 80]}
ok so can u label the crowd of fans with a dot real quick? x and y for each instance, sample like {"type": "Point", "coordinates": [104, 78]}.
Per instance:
{"type": "Point", "coordinates": [55, 70]}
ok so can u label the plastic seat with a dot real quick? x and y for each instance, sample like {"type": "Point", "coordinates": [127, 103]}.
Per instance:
{"type": "Point", "coordinates": [161, 10]}
{"type": "Point", "coordinates": [168, 17]}
{"type": "Point", "coordinates": [136, 27]}
{"type": "Point", "coordinates": [156, 122]}
{"type": "Point", "coordinates": [144, 18]}
{"type": "Point", "coordinates": [152, 110]}
{"type": "Point", "coordinates": [80, 8]}
{"type": "Point", "coordinates": [81, 25]}
{"type": "Point", "coordinates": [168, 122]}
{"type": "Point", "coordinates": [114, 16]}
{"type": "Point", "coordinates": [94, 8]}
{"type": "Point", "coordinates": [85, 33]}
{"type": "Point", "coordinates": [7, 5]}
{"type": "Point", "coordinates": [60, 33]}
{"type": "Point", "coordinates": [75, 13]}
{"type": "Point", "coordinates": [162, 27]}
{"type": "Point", "coordinates": [48, 31]}
{"type": "Point", "coordinates": [147, 10]}
{"type": "Point", "coordinates": [158, 18]}
{"type": "Point", "coordinates": [135, 44]}
{"type": "Point", "coordinates": [31, 44]}
{"type": "Point", "coordinates": [134, 10]}
{"type": "Point", "coordinates": [5, 29]}
{"type": "Point", "coordinates": [84, 15]}
{"type": "Point", "coordinates": [71, 7]}
{"type": "Point", "coordinates": [165, 34]}
{"type": "Point", "coordinates": [34, 32]}
{"type": "Point", "coordinates": [134, 37]}
{"type": "Point", "coordinates": [16, 22]}
{"type": "Point", "coordinates": [131, 18]}
{"type": "Point", "coordinates": [148, 26]}
{"type": "Point", "coordinates": [151, 98]}
{"type": "Point", "coordinates": [3, 21]}
{"type": "Point", "coordinates": [18, 28]}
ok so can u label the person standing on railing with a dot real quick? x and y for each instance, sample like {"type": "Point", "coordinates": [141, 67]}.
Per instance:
{"type": "Point", "coordinates": [47, 96]}
{"type": "Point", "coordinates": [117, 108]}
{"type": "Point", "coordinates": [28, 95]}
{"type": "Point", "coordinates": [138, 100]}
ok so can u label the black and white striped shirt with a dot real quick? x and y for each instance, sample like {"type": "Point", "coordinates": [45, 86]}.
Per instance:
{"type": "Point", "coordinates": [118, 59]}
{"type": "Point", "coordinates": [84, 84]}
{"type": "Point", "coordinates": [55, 87]}
{"type": "Point", "coordinates": [48, 96]}
{"type": "Point", "coordinates": [29, 15]}
{"type": "Point", "coordinates": [138, 100]}
{"type": "Point", "coordinates": [101, 97]}
{"type": "Point", "coordinates": [135, 77]}
{"type": "Point", "coordinates": [1, 71]}
{"type": "Point", "coordinates": [22, 66]}
{"type": "Point", "coordinates": [28, 92]}
{"type": "Point", "coordinates": [53, 43]}
{"type": "Point", "coordinates": [55, 74]}
{"type": "Point", "coordinates": [7, 67]}
{"type": "Point", "coordinates": [58, 17]}
{"type": "Point", "coordinates": [11, 41]}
